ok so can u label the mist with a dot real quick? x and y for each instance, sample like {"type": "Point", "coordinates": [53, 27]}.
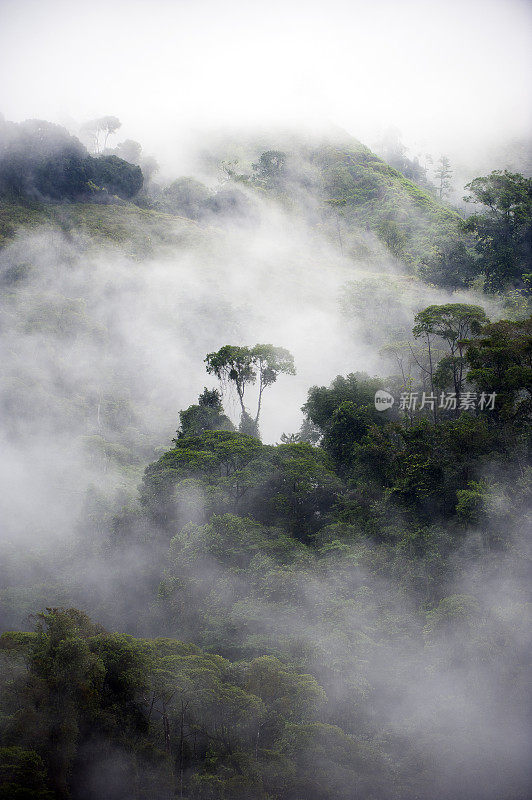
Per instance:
{"type": "Point", "coordinates": [451, 76]}
{"type": "Point", "coordinates": [335, 605]}
{"type": "Point", "coordinates": [111, 348]}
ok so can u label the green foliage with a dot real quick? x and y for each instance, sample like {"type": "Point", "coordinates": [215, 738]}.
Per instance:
{"type": "Point", "coordinates": [457, 607]}
{"type": "Point", "coordinates": [347, 426]}
{"type": "Point", "coordinates": [314, 581]}
{"type": "Point", "coordinates": [39, 161]}
{"type": "Point", "coordinates": [115, 175]}
{"type": "Point", "coordinates": [392, 236]}
{"type": "Point", "coordinates": [357, 388]}
{"type": "Point", "coordinates": [269, 170]}
{"type": "Point", "coordinates": [23, 775]}
{"type": "Point", "coordinates": [289, 483]}
{"type": "Point", "coordinates": [471, 505]}
{"type": "Point", "coordinates": [173, 712]}
{"type": "Point", "coordinates": [414, 226]}
{"type": "Point", "coordinates": [501, 362]}
{"type": "Point", "coordinates": [504, 230]}
{"type": "Point", "coordinates": [419, 467]}
{"type": "Point", "coordinates": [233, 363]}
{"type": "Point", "coordinates": [451, 264]}
{"type": "Point", "coordinates": [301, 488]}
{"type": "Point", "coordinates": [454, 323]}
{"type": "Point", "coordinates": [207, 415]}
{"type": "Point", "coordinates": [212, 455]}
{"type": "Point", "coordinates": [365, 201]}
{"type": "Point", "coordinates": [248, 425]}
{"type": "Point", "coordinates": [135, 232]}
{"type": "Point", "coordinates": [244, 366]}
{"type": "Point", "coordinates": [78, 680]}
{"type": "Point", "coordinates": [185, 196]}
{"type": "Point", "coordinates": [437, 461]}
{"type": "Point", "coordinates": [350, 764]}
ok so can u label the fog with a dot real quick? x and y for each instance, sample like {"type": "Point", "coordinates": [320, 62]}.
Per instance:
{"type": "Point", "coordinates": [111, 348]}
{"type": "Point", "coordinates": [103, 342]}
{"type": "Point", "coordinates": [99, 344]}
{"type": "Point", "coordinates": [452, 76]}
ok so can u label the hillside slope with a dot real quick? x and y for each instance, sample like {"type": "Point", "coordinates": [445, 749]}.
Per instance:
{"type": "Point", "coordinates": [369, 209]}
{"type": "Point", "coordinates": [370, 194]}
{"type": "Point", "coordinates": [135, 230]}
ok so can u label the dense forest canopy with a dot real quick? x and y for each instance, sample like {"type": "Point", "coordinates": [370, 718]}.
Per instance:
{"type": "Point", "coordinates": [41, 161]}
{"type": "Point", "coordinates": [327, 609]}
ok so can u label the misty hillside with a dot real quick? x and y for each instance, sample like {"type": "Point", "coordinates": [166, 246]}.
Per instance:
{"type": "Point", "coordinates": [368, 208]}
{"type": "Point", "coordinates": [354, 185]}
{"type": "Point", "coordinates": [136, 230]}
{"type": "Point", "coordinates": [265, 431]}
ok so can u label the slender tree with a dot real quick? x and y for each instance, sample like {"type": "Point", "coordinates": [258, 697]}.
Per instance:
{"type": "Point", "coordinates": [245, 366]}
{"type": "Point", "coordinates": [443, 175]}
{"type": "Point", "coordinates": [103, 126]}
{"type": "Point", "coordinates": [454, 323]}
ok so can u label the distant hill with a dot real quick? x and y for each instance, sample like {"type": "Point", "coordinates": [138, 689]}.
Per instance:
{"type": "Point", "coordinates": [369, 193]}
{"type": "Point", "coordinates": [370, 211]}
{"type": "Point", "coordinates": [369, 208]}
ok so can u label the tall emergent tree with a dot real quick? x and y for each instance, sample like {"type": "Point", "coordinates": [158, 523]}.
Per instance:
{"type": "Point", "coordinates": [443, 175]}
{"type": "Point", "coordinates": [99, 130]}
{"type": "Point", "coordinates": [244, 366]}
{"type": "Point", "coordinates": [454, 323]}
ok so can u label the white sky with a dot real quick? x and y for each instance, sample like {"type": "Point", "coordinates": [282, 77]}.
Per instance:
{"type": "Point", "coordinates": [442, 71]}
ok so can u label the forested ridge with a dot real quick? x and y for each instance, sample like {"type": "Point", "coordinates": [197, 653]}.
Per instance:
{"type": "Point", "coordinates": [327, 610]}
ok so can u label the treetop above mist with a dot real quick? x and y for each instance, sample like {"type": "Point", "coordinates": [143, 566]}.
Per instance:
{"type": "Point", "coordinates": [244, 366]}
